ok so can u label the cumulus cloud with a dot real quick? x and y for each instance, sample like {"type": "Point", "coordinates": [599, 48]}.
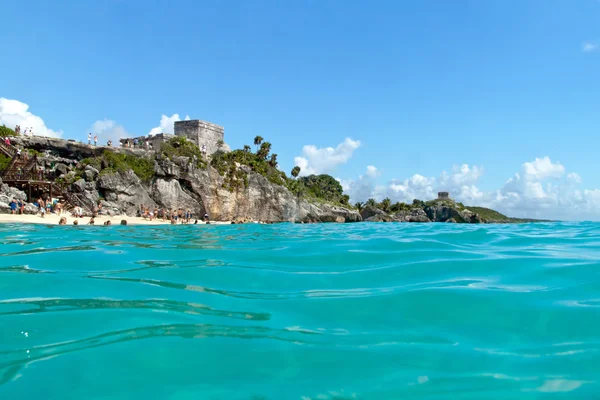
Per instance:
{"type": "Point", "coordinates": [589, 46]}
{"type": "Point", "coordinates": [14, 112]}
{"type": "Point", "coordinates": [106, 130]}
{"type": "Point", "coordinates": [325, 160]}
{"type": "Point", "coordinates": [364, 186]}
{"type": "Point", "coordinates": [167, 124]}
{"type": "Point", "coordinates": [541, 189]}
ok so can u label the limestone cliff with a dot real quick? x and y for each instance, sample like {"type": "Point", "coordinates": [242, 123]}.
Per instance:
{"type": "Point", "coordinates": [177, 182]}
{"type": "Point", "coordinates": [432, 211]}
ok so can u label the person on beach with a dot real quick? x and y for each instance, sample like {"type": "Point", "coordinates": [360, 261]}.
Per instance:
{"type": "Point", "coordinates": [21, 205]}
{"type": "Point", "coordinates": [18, 153]}
{"type": "Point", "coordinates": [91, 221]}
{"type": "Point", "coordinates": [75, 222]}
{"type": "Point", "coordinates": [107, 223]}
{"type": "Point", "coordinates": [62, 221]}
{"type": "Point", "coordinates": [206, 219]}
{"type": "Point", "coordinates": [90, 138]}
{"type": "Point", "coordinates": [42, 207]}
{"type": "Point", "coordinates": [123, 222]}
{"type": "Point", "coordinates": [7, 141]}
{"type": "Point", "coordinates": [13, 206]}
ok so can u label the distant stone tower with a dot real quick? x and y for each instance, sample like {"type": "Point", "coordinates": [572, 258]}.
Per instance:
{"type": "Point", "coordinates": [201, 133]}
{"type": "Point", "coordinates": [443, 196]}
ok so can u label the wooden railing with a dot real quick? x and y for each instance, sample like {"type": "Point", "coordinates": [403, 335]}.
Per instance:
{"type": "Point", "coordinates": [8, 150]}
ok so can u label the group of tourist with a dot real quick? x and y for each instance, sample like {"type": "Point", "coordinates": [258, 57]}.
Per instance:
{"type": "Point", "coordinates": [49, 206]}
{"type": "Point", "coordinates": [17, 206]}
{"type": "Point", "coordinates": [63, 221]}
{"type": "Point", "coordinates": [136, 143]}
{"type": "Point", "coordinates": [174, 216]}
{"type": "Point", "coordinates": [28, 131]}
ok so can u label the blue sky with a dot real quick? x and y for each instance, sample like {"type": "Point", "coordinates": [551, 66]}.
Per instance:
{"type": "Point", "coordinates": [423, 85]}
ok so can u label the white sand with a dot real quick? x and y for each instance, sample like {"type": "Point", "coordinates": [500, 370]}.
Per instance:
{"type": "Point", "coordinates": [52, 219]}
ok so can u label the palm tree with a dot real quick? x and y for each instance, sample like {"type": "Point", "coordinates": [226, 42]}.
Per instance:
{"type": "Point", "coordinates": [273, 160]}
{"type": "Point", "coordinates": [257, 141]}
{"type": "Point", "coordinates": [385, 204]}
{"type": "Point", "coordinates": [247, 148]}
{"type": "Point", "coordinates": [265, 149]}
{"type": "Point", "coordinates": [359, 206]}
{"type": "Point", "coordinates": [295, 171]}
{"type": "Point", "coordinates": [371, 203]}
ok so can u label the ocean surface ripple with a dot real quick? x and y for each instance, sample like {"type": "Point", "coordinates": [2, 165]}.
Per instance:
{"type": "Point", "coordinates": [306, 312]}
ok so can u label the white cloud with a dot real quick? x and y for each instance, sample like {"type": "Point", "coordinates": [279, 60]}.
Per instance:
{"type": "Point", "coordinates": [589, 46]}
{"type": "Point", "coordinates": [325, 160]}
{"type": "Point", "coordinates": [14, 112]}
{"type": "Point", "coordinates": [372, 171]}
{"type": "Point", "coordinates": [363, 187]}
{"type": "Point", "coordinates": [106, 130]}
{"type": "Point", "coordinates": [541, 189]}
{"type": "Point", "coordinates": [542, 168]}
{"type": "Point", "coordinates": [167, 124]}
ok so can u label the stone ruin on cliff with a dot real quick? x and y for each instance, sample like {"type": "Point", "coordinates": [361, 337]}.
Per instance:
{"type": "Point", "coordinates": [201, 133]}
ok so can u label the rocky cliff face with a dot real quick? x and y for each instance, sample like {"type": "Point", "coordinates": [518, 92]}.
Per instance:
{"type": "Point", "coordinates": [177, 183]}
{"type": "Point", "coordinates": [435, 211]}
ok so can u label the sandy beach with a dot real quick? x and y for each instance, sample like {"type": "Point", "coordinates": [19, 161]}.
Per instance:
{"type": "Point", "coordinates": [52, 219]}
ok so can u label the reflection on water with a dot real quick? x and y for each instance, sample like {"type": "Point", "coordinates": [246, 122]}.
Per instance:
{"type": "Point", "coordinates": [361, 311]}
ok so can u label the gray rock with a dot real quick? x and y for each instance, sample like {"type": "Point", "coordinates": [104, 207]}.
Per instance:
{"type": "Point", "coordinates": [169, 194]}
{"type": "Point", "coordinates": [88, 176]}
{"type": "Point", "coordinates": [61, 169]}
{"type": "Point", "coordinates": [412, 215]}
{"type": "Point", "coordinates": [4, 208]}
{"type": "Point", "coordinates": [372, 214]}
{"type": "Point", "coordinates": [30, 209]}
{"type": "Point", "coordinates": [90, 173]}
{"type": "Point", "coordinates": [78, 186]}
{"type": "Point", "coordinates": [12, 193]}
{"type": "Point", "coordinates": [126, 189]}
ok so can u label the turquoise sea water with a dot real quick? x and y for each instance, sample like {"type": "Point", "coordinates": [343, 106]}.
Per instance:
{"type": "Point", "coordinates": [355, 311]}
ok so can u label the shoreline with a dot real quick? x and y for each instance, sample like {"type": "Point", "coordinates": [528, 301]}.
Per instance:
{"type": "Point", "coordinates": [52, 219]}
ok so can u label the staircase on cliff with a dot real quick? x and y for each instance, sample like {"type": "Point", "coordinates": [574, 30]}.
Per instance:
{"type": "Point", "coordinates": [22, 173]}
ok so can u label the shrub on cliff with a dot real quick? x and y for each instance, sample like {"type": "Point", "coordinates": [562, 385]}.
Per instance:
{"type": "Point", "coordinates": [181, 147]}
{"type": "Point", "coordinates": [6, 131]}
{"type": "Point", "coordinates": [4, 161]}
{"type": "Point", "coordinates": [119, 162]}
{"type": "Point", "coordinates": [227, 165]}
{"type": "Point", "coordinates": [324, 187]}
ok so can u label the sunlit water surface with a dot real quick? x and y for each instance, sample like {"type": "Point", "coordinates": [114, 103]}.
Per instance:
{"type": "Point", "coordinates": [355, 311]}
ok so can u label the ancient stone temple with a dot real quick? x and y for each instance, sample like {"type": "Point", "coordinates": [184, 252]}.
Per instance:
{"type": "Point", "coordinates": [443, 196]}
{"type": "Point", "coordinates": [202, 133]}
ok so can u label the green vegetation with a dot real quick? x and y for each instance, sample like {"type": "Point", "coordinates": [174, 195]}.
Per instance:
{"type": "Point", "coordinates": [323, 187]}
{"type": "Point", "coordinates": [112, 162]}
{"type": "Point", "coordinates": [488, 214]}
{"type": "Point", "coordinates": [142, 167]}
{"type": "Point", "coordinates": [4, 161]}
{"type": "Point", "coordinates": [295, 171]}
{"type": "Point", "coordinates": [257, 141]}
{"type": "Point", "coordinates": [236, 177]}
{"type": "Point", "coordinates": [5, 131]}
{"type": "Point", "coordinates": [235, 165]}
{"type": "Point", "coordinates": [70, 178]}
{"type": "Point", "coordinates": [181, 147]}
